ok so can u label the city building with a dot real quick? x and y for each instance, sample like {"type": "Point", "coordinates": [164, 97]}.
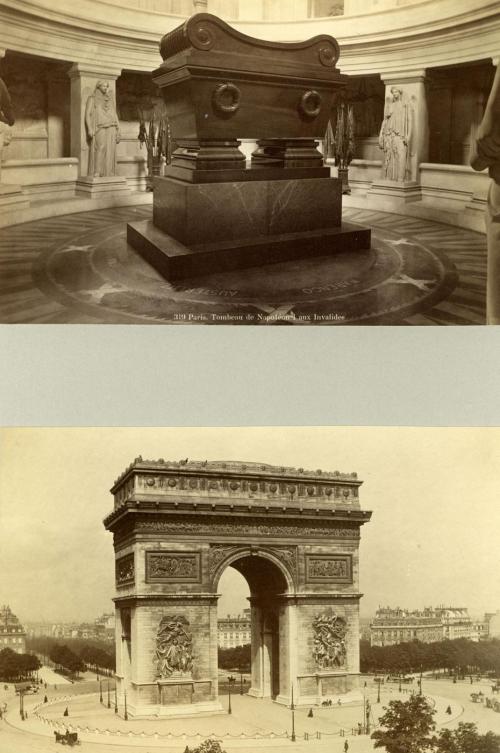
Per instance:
{"type": "Point", "coordinates": [12, 633]}
{"type": "Point", "coordinates": [493, 621]}
{"type": "Point", "coordinates": [480, 630]}
{"type": "Point", "coordinates": [234, 631]}
{"type": "Point", "coordinates": [432, 624]}
{"type": "Point", "coordinates": [398, 625]}
{"type": "Point", "coordinates": [456, 622]}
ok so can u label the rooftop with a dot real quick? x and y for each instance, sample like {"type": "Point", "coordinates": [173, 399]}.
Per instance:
{"type": "Point", "coordinates": [232, 467]}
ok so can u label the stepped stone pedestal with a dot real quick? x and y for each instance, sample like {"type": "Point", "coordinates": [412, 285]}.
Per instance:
{"type": "Point", "coordinates": [212, 212]}
{"type": "Point", "coordinates": [95, 188]}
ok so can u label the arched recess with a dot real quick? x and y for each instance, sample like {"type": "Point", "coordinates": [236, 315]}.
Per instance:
{"type": "Point", "coordinates": [271, 583]}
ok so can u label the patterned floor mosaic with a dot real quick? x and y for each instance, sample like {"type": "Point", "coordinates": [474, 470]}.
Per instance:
{"type": "Point", "coordinates": [79, 269]}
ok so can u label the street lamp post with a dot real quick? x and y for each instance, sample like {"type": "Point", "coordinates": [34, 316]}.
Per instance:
{"type": "Point", "coordinates": [368, 709]}
{"type": "Point", "coordinates": [21, 703]}
{"type": "Point", "coordinates": [109, 702]}
{"type": "Point", "coordinates": [378, 691]}
{"type": "Point", "coordinates": [116, 700]}
{"type": "Point", "coordinates": [100, 691]}
{"type": "Point", "coordinates": [420, 691]}
{"type": "Point", "coordinates": [241, 682]}
{"type": "Point", "coordinates": [125, 715]}
{"type": "Point", "coordinates": [230, 680]}
{"type": "Point", "coordinates": [292, 709]}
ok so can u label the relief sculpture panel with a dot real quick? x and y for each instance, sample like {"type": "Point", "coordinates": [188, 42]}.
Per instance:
{"type": "Point", "coordinates": [125, 570]}
{"type": "Point", "coordinates": [174, 647]}
{"type": "Point", "coordinates": [327, 568]}
{"type": "Point", "coordinates": [162, 567]}
{"type": "Point", "coordinates": [329, 641]}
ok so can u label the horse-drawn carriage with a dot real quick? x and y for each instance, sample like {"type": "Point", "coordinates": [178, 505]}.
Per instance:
{"type": "Point", "coordinates": [68, 738]}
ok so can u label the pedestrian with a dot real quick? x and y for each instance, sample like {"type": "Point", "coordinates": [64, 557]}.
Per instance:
{"type": "Point", "coordinates": [448, 710]}
{"type": "Point", "coordinates": [66, 712]}
{"type": "Point", "coordinates": [310, 714]}
{"type": "Point", "coordinates": [346, 746]}
{"type": "Point", "coordinates": [45, 700]}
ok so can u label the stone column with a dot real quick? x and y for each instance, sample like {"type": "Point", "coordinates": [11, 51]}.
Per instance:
{"type": "Point", "coordinates": [412, 86]}
{"type": "Point", "coordinates": [83, 82]}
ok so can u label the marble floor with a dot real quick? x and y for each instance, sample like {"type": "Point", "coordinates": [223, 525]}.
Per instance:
{"type": "Point", "coordinates": [79, 269]}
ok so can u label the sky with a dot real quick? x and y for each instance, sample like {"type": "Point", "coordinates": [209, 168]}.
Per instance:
{"type": "Point", "coordinates": [434, 537]}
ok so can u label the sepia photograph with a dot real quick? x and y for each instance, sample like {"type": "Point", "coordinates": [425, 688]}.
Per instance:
{"type": "Point", "coordinates": [210, 590]}
{"type": "Point", "coordinates": [250, 162]}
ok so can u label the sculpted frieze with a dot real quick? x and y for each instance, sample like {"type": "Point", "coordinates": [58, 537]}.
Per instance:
{"type": "Point", "coordinates": [172, 566]}
{"type": "Point", "coordinates": [336, 568]}
{"type": "Point", "coordinates": [248, 527]}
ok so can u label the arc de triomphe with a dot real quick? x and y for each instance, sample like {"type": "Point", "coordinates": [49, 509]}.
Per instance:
{"type": "Point", "coordinates": [293, 534]}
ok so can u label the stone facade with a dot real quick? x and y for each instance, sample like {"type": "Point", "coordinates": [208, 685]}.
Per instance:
{"type": "Point", "coordinates": [12, 633]}
{"type": "Point", "coordinates": [293, 534]}
{"type": "Point", "coordinates": [391, 626]}
{"type": "Point", "coordinates": [234, 631]}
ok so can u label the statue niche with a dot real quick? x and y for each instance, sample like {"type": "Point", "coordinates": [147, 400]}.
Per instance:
{"type": "Point", "coordinates": [329, 641]}
{"type": "Point", "coordinates": [173, 647]}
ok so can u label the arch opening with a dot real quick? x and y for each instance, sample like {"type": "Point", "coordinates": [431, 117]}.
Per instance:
{"type": "Point", "coordinates": [265, 622]}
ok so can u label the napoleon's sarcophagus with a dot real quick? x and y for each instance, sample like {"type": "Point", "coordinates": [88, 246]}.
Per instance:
{"type": "Point", "coordinates": [212, 210]}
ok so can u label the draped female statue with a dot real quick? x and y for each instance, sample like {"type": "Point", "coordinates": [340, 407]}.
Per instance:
{"type": "Point", "coordinates": [395, 137]}
{"type": "Point", "coordinates": [103, 131]}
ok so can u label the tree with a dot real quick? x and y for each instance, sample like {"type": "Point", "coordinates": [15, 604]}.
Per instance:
{"type": "Point", "coordinates": [406, 727]}
{"type": "Point", "coordinates": [237, 658]}
{"type": "Point", "coordinates": [466, 739]}
{"type": "Point", "coordinates": [207, 746]}
{"type": "Point", "coordinates": [64, 657]}
{"type": "Point", "coordinates": [15, 666]}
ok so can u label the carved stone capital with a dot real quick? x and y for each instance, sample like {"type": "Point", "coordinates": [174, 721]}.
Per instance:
{"type": "Point", "coordinates": [79, 70]}
{"type": "Point", "coordinates": [404, 77]}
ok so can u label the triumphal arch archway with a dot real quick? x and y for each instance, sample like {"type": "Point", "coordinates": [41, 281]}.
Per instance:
{"type": "Point", "coordinates": [292, 533]}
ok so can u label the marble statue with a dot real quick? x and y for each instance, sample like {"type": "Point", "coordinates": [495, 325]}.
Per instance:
{"type": "Point", "coordinates": [103, 131]}
{"type": "Point", "coordinates": [486, 154]}
{"type": "Point", "coordinates": [6, 120]}
{"type": "Point", "coordinates": [395, 137]}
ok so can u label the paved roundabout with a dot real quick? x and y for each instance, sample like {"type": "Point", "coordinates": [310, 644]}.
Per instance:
{"type": "Point", "coordinates": [79, 268]}
{"type": "Point", "coordinates": [268, 729]}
